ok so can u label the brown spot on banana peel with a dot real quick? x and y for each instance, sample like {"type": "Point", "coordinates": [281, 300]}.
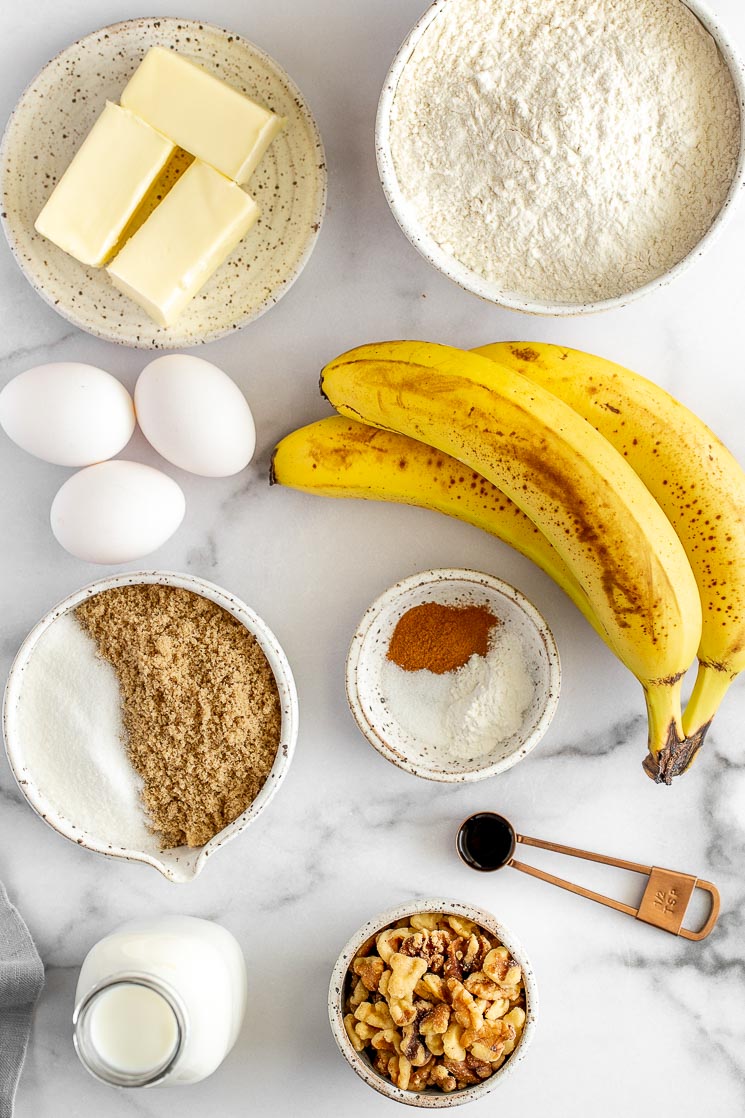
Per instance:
{"type": "Point", "coordinates": [675, 757]}
{"type": "Point", "coordinates": [718, 666]}
{"type": "Point", "coordinates": [340, 455]}
{"type": "Point", "coordinates": [524, 353]}
{"type": "Point", "coordinates": [668, 681]}
{"type": "Point", "coordinates": [614, 581]}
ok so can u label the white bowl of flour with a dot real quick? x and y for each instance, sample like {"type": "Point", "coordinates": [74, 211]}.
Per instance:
{"type": "Point", "coordinates": [563, 157]}
{"type": "Point", "coordinates": [462, 725]}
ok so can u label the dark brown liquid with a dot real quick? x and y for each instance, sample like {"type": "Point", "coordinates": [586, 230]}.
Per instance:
{"type": "Point", "coordinates": [486, 841]}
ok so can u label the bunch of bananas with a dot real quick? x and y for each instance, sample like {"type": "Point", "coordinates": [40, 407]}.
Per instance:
{"type": "Point", "coordinates": [617, 491]}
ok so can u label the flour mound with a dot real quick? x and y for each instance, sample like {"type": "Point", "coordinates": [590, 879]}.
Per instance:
{"type": "Point", "coordinates": [567, 150]}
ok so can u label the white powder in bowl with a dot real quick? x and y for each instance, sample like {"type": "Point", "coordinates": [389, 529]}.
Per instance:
{"type": "Point", "coordinates": [568, 151]}
{"type": "Point", "coordinates": [463, 715]}
{"type": "Point", "coordinates": [73, 739]}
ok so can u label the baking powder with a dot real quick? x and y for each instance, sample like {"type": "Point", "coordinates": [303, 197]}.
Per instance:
{"type": "Point", "coordinates": [465, 714]}
{"type": "Point", "coordinates": [567, 150]}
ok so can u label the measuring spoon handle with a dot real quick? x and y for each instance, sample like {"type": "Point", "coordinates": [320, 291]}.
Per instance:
{"type": "Point", "coordinates": [578, 889]}
{"type": "Point", "coordinates": [665, 898]}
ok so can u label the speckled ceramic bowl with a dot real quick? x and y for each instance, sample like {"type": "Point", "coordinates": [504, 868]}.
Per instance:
{"type": "Point", "coordinates": [359, 1061]}
{"type": "Point", "coordinates": [55, 113]}
{"type": "Point", "coordinates": [478, 284]}
{"type": "Point", "coordinates": [367, 654]}
{"type": "Point", "coordinates": [184, 863]}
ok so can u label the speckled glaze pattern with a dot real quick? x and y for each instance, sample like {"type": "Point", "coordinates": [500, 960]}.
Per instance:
{"type": "Point", "coordinates": [432, 1098]}
{"type": "Point", "coordinates": [473, 281]}
{"type": "Point", "coordinates": [450, 586]}
{"type": "Point", "coordinates": [54, 115]}
{"type": "Point", "coordinates": [184, 863]}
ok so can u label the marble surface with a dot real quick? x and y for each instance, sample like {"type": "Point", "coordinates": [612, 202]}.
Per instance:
{"type": "Point", "coordinates": [631, 1019]}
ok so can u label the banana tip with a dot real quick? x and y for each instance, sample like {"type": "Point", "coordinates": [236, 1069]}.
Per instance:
{"type": "Point", "coordinates": [656, 770]}
{"type": "Point", "coordinates": [674, 759]}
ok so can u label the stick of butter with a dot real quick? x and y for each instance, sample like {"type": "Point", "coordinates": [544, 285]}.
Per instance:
{"type": "Point", "coordinates": [109, 176]}
{"type": "Point", "coordinates": [200, 113]}
{"type": "Point", "coordinates": [186, 238]}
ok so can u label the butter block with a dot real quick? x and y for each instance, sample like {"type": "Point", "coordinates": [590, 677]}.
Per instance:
{"type": "Point", "coordinates": [200, 113]}
{"type": "Point", "coordinates": [106, 181]}
{"type": "Point", "coordinates": [186, 238]}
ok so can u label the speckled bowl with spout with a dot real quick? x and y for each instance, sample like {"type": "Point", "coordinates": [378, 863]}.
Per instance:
{"type": "Point", "coordinates": [183, 863]}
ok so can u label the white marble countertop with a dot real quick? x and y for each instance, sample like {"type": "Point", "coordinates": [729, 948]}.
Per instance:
{"type": "Point", "coordinates": [631, 1020]}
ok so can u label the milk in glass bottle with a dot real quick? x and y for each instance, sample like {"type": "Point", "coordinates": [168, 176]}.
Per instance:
{"type": "Point", "coordinates": [159, 1001]}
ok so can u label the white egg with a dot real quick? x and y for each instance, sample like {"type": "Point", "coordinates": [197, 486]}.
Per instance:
{"type": "Point", "coordinates": [67, 413]}
{"type": "Point", "coordinates": [195, 416]}
{"type": "Point", "coordinates": [116, 511]}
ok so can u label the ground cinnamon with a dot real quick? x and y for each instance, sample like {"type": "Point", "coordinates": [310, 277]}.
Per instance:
{"type": "Point", "coordinates": [440, 638]}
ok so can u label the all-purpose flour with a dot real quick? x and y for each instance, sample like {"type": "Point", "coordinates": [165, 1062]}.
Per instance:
{"type": "Point", "coordinates": [568, 150]}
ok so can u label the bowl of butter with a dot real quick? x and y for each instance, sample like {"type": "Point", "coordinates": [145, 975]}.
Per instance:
{"type": "Point", "coordinates": [163, 182]}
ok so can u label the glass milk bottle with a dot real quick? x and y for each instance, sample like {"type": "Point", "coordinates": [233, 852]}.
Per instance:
{"type": "Point", "coordinates": [159, 1001]}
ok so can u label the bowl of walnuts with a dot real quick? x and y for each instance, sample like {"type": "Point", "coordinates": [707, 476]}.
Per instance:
{"type": "Point", "coordinates": [433, 1003]}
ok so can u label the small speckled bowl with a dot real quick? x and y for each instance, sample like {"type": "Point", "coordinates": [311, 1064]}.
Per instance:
{"type": "Point", "coordinates": [55, 113]}
{"type": "Point", "coordinates": [183, 863]}
{"type": "Point", "coordinates": [360, 1063]}
{"type": "Point", "coordinates": [478, 284]}
{"type": "Point", "coordinates": [367, 654]}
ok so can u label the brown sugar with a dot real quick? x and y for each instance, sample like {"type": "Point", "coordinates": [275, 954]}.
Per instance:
{"type": "Point", "coordinates": [439, 638]}
{"type": "Point", "coordinates": [200, 705]}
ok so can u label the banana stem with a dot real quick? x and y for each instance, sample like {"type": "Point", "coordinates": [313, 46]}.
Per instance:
{"type": "Point", "coordinates": [712, 684]}
{"type": "Point", "coordinates": [670, 752]}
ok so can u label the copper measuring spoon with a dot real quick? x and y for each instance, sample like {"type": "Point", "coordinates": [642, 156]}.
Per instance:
{"type": "Point", "coordinates": [486, 842]}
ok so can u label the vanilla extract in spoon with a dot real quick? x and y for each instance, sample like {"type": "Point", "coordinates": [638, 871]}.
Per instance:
{"type": "Point", "coordinates": [487, 841]}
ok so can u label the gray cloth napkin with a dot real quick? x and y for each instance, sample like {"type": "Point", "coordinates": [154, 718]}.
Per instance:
{"type": "Point", "coordinates": [21, 980]}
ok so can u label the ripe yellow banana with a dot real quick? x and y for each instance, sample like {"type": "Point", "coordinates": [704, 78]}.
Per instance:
{"type": "Point", "coordinates": [338, 457]}
{"type": "Point", "coordinates": [693, 476]}
{"type": "Point", "coordinates": [569, 481]}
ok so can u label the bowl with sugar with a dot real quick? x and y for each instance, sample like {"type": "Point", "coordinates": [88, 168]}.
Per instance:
{"type": "Point", "coordinates": [453, 675]}
{"type": "Point", "coordinates": [150, 716]}
{"type": "Point", "coordinates": [562, 159]}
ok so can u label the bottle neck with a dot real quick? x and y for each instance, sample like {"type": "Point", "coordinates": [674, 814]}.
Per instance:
{"type": "Point", "coordinates": [130, 1030]}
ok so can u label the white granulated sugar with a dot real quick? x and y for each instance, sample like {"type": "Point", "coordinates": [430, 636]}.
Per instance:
{"type": "Point", "coordinates": [466, 714]}
{"type": "Point", "coordinates": [73, 738]}
{"type": "Point", "coordinates": [566, 150]}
